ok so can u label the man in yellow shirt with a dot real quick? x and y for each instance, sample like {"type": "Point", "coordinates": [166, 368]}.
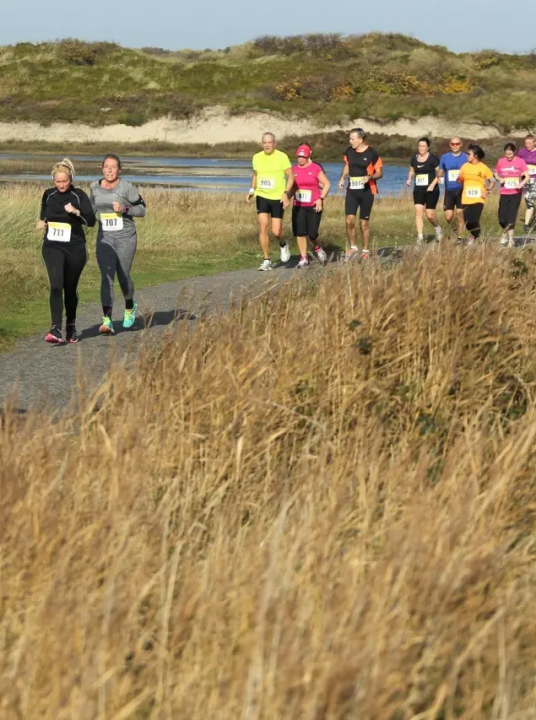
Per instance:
{"type": "Point", "coordinates": [478, 182]}
{"type": "Point", "coordinates": [271, 186]}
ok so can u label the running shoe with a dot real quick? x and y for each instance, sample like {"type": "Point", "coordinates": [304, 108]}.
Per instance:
{"type": "Point", "coordinates": [471, 241]}
{"type": "Point", "coordinates": [526, 228]}
{"type": "Point", "coordinates": [284, 253]}
{"type": "Point", "coordinates": [266, 265]}
{"type": "Point", "coordinates": [365, 254]}
{"type": "Point", "coordinates": [129, 318]}
{"type": "Point", "coordinates": [459, 240]}
{"type": "Point", "coordinates": [304, 262]}
{"type": "Point", "coordinates": [321, 255]}
{"type": "Point", "coordinates": [438, 234]}
{"type": "Point", "coordinates": [420, 241]}
{"type": "Point", "coordinates": [504, 239]}
{"type": "Point", "coordinates": [54, 336]}
{"type": "Point", "coordinates": [511, 242]}
{"type": "Point", "coordinates": [71, 336]}
{"type": "Point", "coordinates": [351, 254]}
{"type": "Point", "coordinates": [107, 327]}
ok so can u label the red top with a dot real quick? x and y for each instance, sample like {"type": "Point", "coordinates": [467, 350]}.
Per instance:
{"type": "Point", "coordinates": [307, 184]}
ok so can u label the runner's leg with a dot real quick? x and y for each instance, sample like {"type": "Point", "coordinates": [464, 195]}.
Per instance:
{"type": "Point", "coordinates": [126, 250]}
{"type": "Point", "coordinates": [419, 220]}
{"type": "Point", "coordinates": [365, 233]}
{"type": "Point", "coordinates": [107, 261]}
{"type": "Point", "coordinates": [264, 238]}
{"type": "Point", "coordinates": [54, 259]}
{"type": "Point", "coordinates": [75, 262]}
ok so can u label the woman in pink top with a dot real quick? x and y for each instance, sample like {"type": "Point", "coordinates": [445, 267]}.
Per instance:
{"type": "Point", "coordinates": [310, 188]}
{"type": "Point", "coordinates": [512, 173]}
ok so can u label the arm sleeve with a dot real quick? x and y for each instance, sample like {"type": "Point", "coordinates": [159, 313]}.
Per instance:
{"type": "Point", "coordinates": [43, 214]}
{"type": "Point", "coordinates": [489, 174]}
{"type": "Point", "coordinates": [87, 214]}
{"type": "Point", "coordinates": [378, 165]}
{"type": "Point", "coordinates": [136, 202]}
{"type": "Point", "coordinates": [435, 161]}
{"type": "Point", "coordinates": [92, 200]}
{"type": "Point", "coordinates": [442, 164]}
{"type": "Point", "coordinates": [286, 163]}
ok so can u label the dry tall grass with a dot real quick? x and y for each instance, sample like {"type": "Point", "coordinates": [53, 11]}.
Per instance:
{"type": "Point", "coordinates": [320, 506]}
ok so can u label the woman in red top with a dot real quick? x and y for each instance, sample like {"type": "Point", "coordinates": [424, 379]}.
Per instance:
{"type": "Point", "coordinates": [311, 186]}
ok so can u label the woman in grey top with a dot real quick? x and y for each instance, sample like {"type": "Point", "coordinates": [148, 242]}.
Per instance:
{"type": "Point", "coordinates": [117, 203]}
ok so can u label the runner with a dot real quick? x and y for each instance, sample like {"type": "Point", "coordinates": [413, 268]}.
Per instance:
{"type": "Point", "coordinates": [117, 203]}
{"type": "Point", "coordinates": [449, 169]}
{"type": "Point", "coordinates": [513, 174]}
{"type": "Point", "coordinates": [477, 180]}
{"type": "Point", "coordinates": [310, 189]}
{"type": "Point", "coordinates": [271, 185]}
{"type": "Point", "coordinates": [528, 154]}
{"type": "Point", "coordinates": [65, 210]}
{"type": "Point", "coordinates": [424, 168]}
{"type": "Point", "coordinates": [362, 166]}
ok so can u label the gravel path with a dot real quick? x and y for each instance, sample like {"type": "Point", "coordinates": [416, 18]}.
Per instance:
{"type": "Point", "coordinates": [37, 375]}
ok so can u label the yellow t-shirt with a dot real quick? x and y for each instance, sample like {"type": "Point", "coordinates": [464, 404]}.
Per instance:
{"type": "Point", "coordinates": [271, 178]}
{"type": "Point", "coordinates": [474, 179]}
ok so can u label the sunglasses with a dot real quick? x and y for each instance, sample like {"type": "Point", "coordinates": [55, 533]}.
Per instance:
{"type": "Point", "coordinates": [455, 144]}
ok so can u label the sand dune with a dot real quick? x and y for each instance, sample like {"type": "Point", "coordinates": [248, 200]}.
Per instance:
{"type": "Point", "coordinates": [214, 125]}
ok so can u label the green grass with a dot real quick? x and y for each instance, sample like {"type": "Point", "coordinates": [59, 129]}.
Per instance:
{"type": "Point", "coordinates": [385, 76]}
{"type": "Point", "coordinates": [185, 234]}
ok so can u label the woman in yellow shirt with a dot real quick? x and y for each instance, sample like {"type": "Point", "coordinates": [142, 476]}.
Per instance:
{"type": "Point", "coordinates": [478, 181]}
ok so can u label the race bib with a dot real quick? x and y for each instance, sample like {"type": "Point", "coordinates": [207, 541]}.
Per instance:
{"type": "Point", "coordinates": [60, 232]}
{"type": "Point", "coordinates": [421, 181]}
{"type": "Point", "coordinates": [532, 170]}
{"type": "Point", "coordinates": [357, 183]}
{"type": "Point", "coordinates": [453, 176]}
{"type": "Point", "coordinates": [473, 193]}
{"type": "Point", "coordinates": [304, 196]}
{"type": "Point", "coordinates": [111, 222]}
{"type": "Point", "coordinates": [511, 183]}
{"type": "Point", "coordinates": [267, 183]}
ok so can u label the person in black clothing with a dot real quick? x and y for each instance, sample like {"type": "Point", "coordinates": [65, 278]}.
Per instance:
{"type": "Point", "coordinates": [423, 167]}
{"type": "Point", "coordinates": [362, 166]}
{"type": "Point", "coordinates": [65, 211]}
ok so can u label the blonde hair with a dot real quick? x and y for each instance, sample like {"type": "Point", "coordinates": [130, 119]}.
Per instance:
{"type": "Point", "coordinates": [65, 166]}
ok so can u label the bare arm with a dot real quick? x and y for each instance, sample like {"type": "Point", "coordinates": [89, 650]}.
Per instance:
{"type": "Point", "coordinates": [344, 175]}
{"type": "Point", "coordinates": [253, 187]}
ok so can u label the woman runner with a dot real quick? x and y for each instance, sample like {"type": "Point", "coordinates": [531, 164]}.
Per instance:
{"type": "Point", "coordinates": [311, 187]}
{"type": "Point", "coordinates": [65, 210]}
{"type": "Point", "coordinates": [424, 167]}
{"type": "Point", "coordinates": [513, 174]}
{"type": "Point", "coordinates": [117, 203]}
{"type": "Point", "coordinates": [477, 181]}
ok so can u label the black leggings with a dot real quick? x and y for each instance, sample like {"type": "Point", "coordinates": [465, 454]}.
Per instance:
{"type": "Point", "coordinates": [64, 265]}
{"type": "Point", "coordinates": [471, 215]}
{"type": "Point", "coordinates": [508, 210]}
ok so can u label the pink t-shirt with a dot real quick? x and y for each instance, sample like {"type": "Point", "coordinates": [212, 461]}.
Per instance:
{"type": "Point", "coordinates": [511, 171]}
{"type": "Point", "coordinates": [307, 184]}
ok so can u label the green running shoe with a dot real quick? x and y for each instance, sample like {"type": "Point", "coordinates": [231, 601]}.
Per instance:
{"type": "Point", "coordinates": [130, 317]}
{"type": "Point", "coordinates": [107, 327]}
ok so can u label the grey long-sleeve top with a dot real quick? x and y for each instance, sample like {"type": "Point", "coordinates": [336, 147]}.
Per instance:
{"type": "Point", "coordinates": [118, 226]}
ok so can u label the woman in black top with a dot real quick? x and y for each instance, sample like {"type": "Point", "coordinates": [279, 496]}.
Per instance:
{"type": "Point", "coordinates": [423, 167]}
{"type": "Point", "coordinates": [65, 211]}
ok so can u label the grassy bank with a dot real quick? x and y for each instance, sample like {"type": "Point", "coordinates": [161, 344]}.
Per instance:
{"type": "Point", "coordinates": [329, 78]}
{"type": "Point", "coordinates": [319, 507]}
{"type": "Point", "coordinates": [327, 146]}
{"type": "Point", "coordinates": [185, 234]}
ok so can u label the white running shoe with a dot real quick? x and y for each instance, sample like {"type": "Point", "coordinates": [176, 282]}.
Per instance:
{"type": "Point", "coordinates": [471, 241]}
{"type": "Point", "coordinates": [285, 253]}
{"type": "Point", "coordinates": [438, 233]}
{"type": "Point", "coordinates": [351, 254]}
{"type": "Point", "coordinates": [511, 243]}
{"type": "Point", "coordinates": [420, 241]}
{"type": "Point", "coordinates": [304, 262]}
{"type": "Point", "coordinates": [266, 265]}
{"type": "Point", "coordinates": [504, 239]}
{"type": "Point", "coordinates": [322, 257]}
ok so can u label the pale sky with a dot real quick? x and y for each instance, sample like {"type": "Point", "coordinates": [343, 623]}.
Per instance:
{"type": "Point", "coordinates": [462, 25]}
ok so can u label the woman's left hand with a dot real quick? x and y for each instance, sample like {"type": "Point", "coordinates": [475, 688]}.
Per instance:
{"type": "Point", "coordinates": [71, 209]}
{"type": "Point", "coordinates": [117, 207]}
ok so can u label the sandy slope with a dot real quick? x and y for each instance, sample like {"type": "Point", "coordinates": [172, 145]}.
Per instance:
{"type": "Point", "coordinates": [215, 126]}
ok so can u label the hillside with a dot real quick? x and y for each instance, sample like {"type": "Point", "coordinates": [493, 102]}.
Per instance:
{"type": "Point", "coordinates": [325, 78]}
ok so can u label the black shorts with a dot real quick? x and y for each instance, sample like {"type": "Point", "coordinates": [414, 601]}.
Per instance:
{"type": "Point", "coordinates": [361, 200]}
{"type": "Point", "coordinates": [452, 200]}
{"type": "Point", "coordinates": [270, 207]}
{"type": "Point", "coordinates": [508, 210]}
{"type": "Point", "coordinates": [305, 222]}
{"type": "Point", "coordinates": [421, 196]}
